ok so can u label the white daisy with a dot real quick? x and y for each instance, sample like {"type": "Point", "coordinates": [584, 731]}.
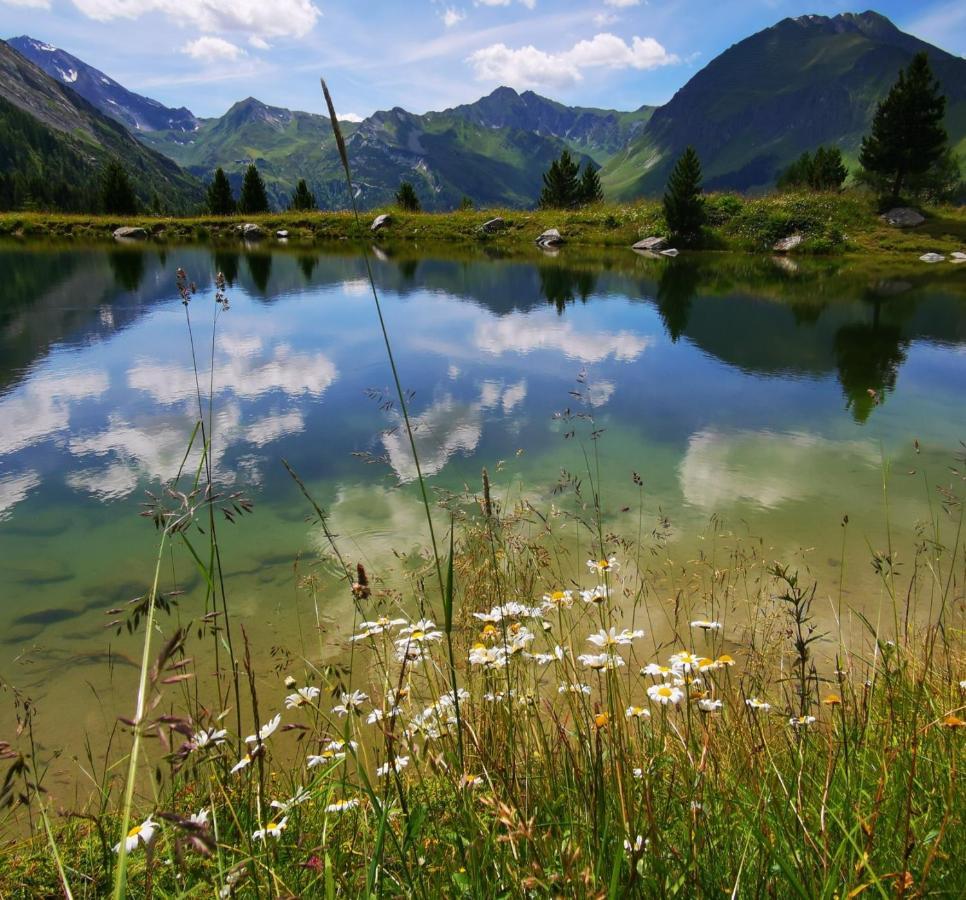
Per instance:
{"type": "Point", "coordinates": [423, 630]}
{"type": "Point", "coordinates": [705, 625]}
{"type": "Point", "coordinates": [558, 599]}
{"type": "Point", "coordinates": [556, 656]}
{"type": "Point", "coordinates": [342, 805]}
{"type": "Point", "coordinates": [300, 796]}
{"type": "Point", "coordinates": [665, 693]}
{"type": "Point", "coordinates": [708, 705]}
{"type": "Point", "coordinates": [272, 829]}
{"type": "Point", "coordinates": [600, 661]}
{"type": "Point", "coordinates": [350, 702]}
{"type": "Point", "coordinates": [200, 817]}
{"type": "Point", "coordinates": [265, 731]}
{"type": "Point", "coordinates": [399, 763]}
{"type": "Point", "coordinates": [657, 671]}
{"type": "Point", "coordinates": [139, 834]}
{"type": "Point", "coordinates": [637, 846]}
{"type": "Point", "coordinates": [210, 737]}
{"type": "Point", "coordinates": [574, 689]}
{"type": "Point", "coordinates": [755, 703]}
{"type": "Point", "coordinates": [369, 629]}
{"type": "Point", "coordinates": [301, 697]}
{"type": "Point", "coordinates": [603, 565]}
{"type": "Point", "coordinates": [637, 712]}
{"type": "Point", "coordinates": [614, 638]}
{"type": "Point", "coordinates": [595, 595]}
{"type": "Point", "coordinates": [801, 721]}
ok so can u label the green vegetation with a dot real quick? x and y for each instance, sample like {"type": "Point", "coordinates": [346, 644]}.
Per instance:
{"type": "Point", "coordinates": [825, 171]}
{"type": "Point", "coordinates": [407, 199]}
{"type": "Point", "coordinates": [566, 187]}
{"type": "Point", "coordinates": [253, 199]}
{"type": "Point", "coordinates": [219, 197]}
{"type": "Point", "coordinates": [908, 147]}
{"type": "Point", "coordinates": [117, 194]}
{"type": "Point", "coordinates": [684, 210]}
{"type": "Point", "coordinates": [303, 199]}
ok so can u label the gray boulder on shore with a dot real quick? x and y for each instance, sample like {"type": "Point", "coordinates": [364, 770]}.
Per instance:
{"type": "Point", "coordinates": [250, 231]}
{"type": "Point", "coordinates": [550, 238]}
{"type": "Point", "coordinates": [903, 217]}
{"type": "Point", "coordinates": [491, 225]}
{"type": "Point", "coordinates": [130, 233]}
{"type": "Point", "coordinates": [654, 244]}
{"type": "Point", "coordinates": [380, 222]}
{"type": "Point", "coordinates": [788, 243]}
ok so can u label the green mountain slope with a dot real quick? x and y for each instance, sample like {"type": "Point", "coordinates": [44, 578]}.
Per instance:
{"type": "Point", "coordinates": [767, 99]}
{"type": "Point", "coordinates": [53, 144]}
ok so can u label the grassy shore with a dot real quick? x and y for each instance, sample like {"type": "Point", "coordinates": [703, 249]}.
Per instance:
{"type": "Point", "coordinates": [830, 223]}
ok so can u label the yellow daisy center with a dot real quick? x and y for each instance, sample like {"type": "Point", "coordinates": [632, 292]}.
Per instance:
{"type": "Point", "coordinates": [134, 832]}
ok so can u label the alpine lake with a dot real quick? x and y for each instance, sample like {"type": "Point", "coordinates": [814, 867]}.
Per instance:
{"type": "Point", "coordinates": [759, 401]}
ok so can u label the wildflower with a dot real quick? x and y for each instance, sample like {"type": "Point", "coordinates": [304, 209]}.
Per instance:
{"type": "Point", "coordinates": [342, 805]}
{"type": "Point", "coordinates": [139, 834]}
{"type": "Point", "coordinates": [637, 712]}
{"type": "Point", "coordinates": [832, 700]}
{"type": "Point", "coordinates": [289, 682]}
{"type": "Point", "coordinates": [333, 751]}
{"type": "Point", "coordinates": [423, 630]}
{"type": "Point", "coordinates": [574, 689]}
{"type": "Point", "coordinates": [398, 764]}
{"type": "Point", "coordinates": [801, 721]}
{"type": "Point", "coordinates": [487, 657]}
{"type": "Point", "coordinates": [613, 638]}
{"type": "Point", "coordinates": [705, 625]}
{"type": "Point", "coordinates": [640, 842]}
{"type": "Point", "coordinates": [272, 829]}
{"type": "Point", "coordinates": [413, 654]}
{"type": "Point", "coordinates": [301, 697]}
{"type": "Point", "coordinates": [657, 671]}
{"type": "Point", "coordinates": [953, 722]}
{"type": "Point", "coordinates": [665, 693]}
{"type": "Point", "coordinates": [377, 715]}
{"type": "Point", "coordinates": [755, 703]}
{"type": "Point", "coordinates": [265, 731]}
{"type": "Point", "coordinates": [246, 760]}
{"type": "Point", "coordinates": [558, 599]}
{"type": "Point", "coordinates": [471, 781]}
{"type": "Point", "coordinates": [370, 629]}
{"type": "Point", "coordinates": [685, 662]}
{"type": "Point", "coordinates": [600, 661]}
{"type": "Point", "coordinates": [603, 565]}
{"type": "Point", "coordinates": [350, 702]}
{"type": "Point", "coordinates": [596, 595]}
{"type": "Point", "coordinates": [556, 656]}
{"type": "Point", "coordinates": [601, 721]}
{"type": "Point", "coordinates": [725, 660]}
{"type": "Point", "coordinates": [962, 685]}
{"type": "Point", "coordinates": [706, 665]}
{"type": "Point", "coordinates": [637, 772]}
{"type": "Point", "coordinates": [199, 818]}
{"type": "Point", "coordinates": [209, 737]}
{"type": "Point", "coordinates": [300, 796]}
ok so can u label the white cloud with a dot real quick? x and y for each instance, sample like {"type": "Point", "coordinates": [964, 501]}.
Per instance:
{"type": "Point", "coordinates": [114, 481]}
{"type": "Point", "coordinates": [28, 4]}
{"type": "Point", "coordinates": [605, 18]}
{"type": "Point", "coordinates": [622, 4]}
{"type": "Point", "coordinates": [212, 48]}
{"type": "Point", "coordinates": [452, 16]}
{"type": "Point", "coordinates": [258, 43]}
{"type": "Point", "coordinates": [529, 4]}
{"type": "Point", "coordinates": [281, 18]}
{"type": "Point", "coordinates": [528, 67]}
{"type": "Point", "coordinates": [15, 488]}
{"type": "Point", "coordinates": [350, 117]}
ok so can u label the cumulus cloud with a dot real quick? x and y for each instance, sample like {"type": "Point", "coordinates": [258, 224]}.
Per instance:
{"type": "Point", "coordinates": [604, 18]}
{"type": "Point", "coordinates": [212, 48]}
{"type": "Point", "coordinates": [350, 117]}
{"type": "Point", "coordinates": [529, 4]}
{"type": "Point", "coordinates": [281, 18]}
{"type": "Point", "coordinates": [528, 67]}
{"type": "Point", "coordinates": [622, 4]}
{"type": "Point", "coordinates": [452, 16]}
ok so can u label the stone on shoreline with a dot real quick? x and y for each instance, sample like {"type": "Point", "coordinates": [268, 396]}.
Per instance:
{"type": "Point", "coordinates": [130, 233]}
{"type": "Point", "coordinates": [550, 238]}
{"type": "Point", "coordinates": [788, 243]}
{"type": "Point", "coordinates": [654, 244]}
{"type": "Point", "coordinates": [491, 225]}
{"type": "Point", "coordinates": [380, 222]}
{"type": "Point", "coordinates": [903, 217]}
{"type": "Point", "coordinates": [250, 231]}
{"type": "Point", "coordinates": [932, 258]}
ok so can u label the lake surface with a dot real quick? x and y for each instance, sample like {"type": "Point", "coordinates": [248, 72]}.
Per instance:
{"type": "Point", "coordinates": [771, 394]}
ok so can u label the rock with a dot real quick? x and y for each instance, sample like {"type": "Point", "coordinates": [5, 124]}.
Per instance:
{"type": "Point", "coordinates": [670, 252]}
{"type": "Point", "coordinates": [130, 233]}
{"type": "Point", "coordinates": [788, 243]}
{"type": "Point", "coordinates": [281, 233]}
{"type": "Point", "coordinates": [550, 238]}
{"type": "Point", "coordinates": [497, 224]}
{"type": "Point", "coordinates": [957, 257]}
{"type": "Point", "coordinates": [931, 258]}
{"type": "Point", "coordinates": [250, 231]}
{"type": "Point", "coordinates": [902, 217]}
{"type": "Point", "coordinates": [380, 222]}
{"type": "Point", "coordinates": [654, 244]}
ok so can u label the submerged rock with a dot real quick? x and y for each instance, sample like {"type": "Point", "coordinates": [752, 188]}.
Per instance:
{"type": "Point", "coordinates": [932, 258]}
{"type": "Point", "coordinates": [250, 231]}
{"type": "Point", "coordinates": [903, 217]}
{"type": "Point", "coordinates": [281, 233]}
{"type": "Point", "coordinates": [788, 243]}
{"type": "Point", "coordinates": [957, 257]}
{"type": "Point", "coordinates": [380, 222]}
{"type": "Point", "coordinates": [550, 238]}
{"type": "Point", "coordinates": [130, 233]}
{"type": "Point", "coordinates": [654, 244]}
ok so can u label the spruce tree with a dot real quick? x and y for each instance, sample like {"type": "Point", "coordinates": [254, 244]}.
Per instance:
{"type": "Point", "coordinates": [302, 198]}
{"type": "Point", "coordinates": [220, 201]}
{"type": "Point", "coordinates": [406, 198]}
{"type": "Point", "coordinates": [117, 194]}
{"type": "Point", "coordinates": [908, 138]}
{"type": "Point", "coordinates": [684, 209]}
{"type": "Point", "coordinates": [825, 171]}
{"type": "Point", "coordinates": [561, 184]}
{"type": "Point", "coordinates": [253, 197]}
{"type": "Point", "coordinates": [590, 190]}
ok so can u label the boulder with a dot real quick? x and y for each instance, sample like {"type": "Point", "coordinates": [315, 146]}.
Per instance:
{"type": "Point", "coordinates": [130, 233]}
{"type": "Point", "coordinates": [931, 258]}
{"type": "Point", "coordinates": [380, 222]}
{"type": "Point", "coordinates": [957, 257]}
{"type": "Point", "coordinates": [788, 243]}
{"type": "Point", "coordinates": [671, 251]}
{"type": "Point", "coordinates": [281, 233]}
{"type": "Point", "coordinates": [654, 244]}
{"type": "Point", "coordinates": [491, 225]}
{"type": "Point", "coordinates": [550, 238]}
{"type": "Point", "coordinates": [250, 231]}
{"type": "Point", "coordinates": [903, 217]}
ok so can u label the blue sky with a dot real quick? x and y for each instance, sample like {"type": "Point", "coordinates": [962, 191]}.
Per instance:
{"type": "Point", "coordinates": [422, 54]}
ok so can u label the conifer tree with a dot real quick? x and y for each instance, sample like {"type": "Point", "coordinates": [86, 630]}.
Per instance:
{"type": "Point", "coordinates": [406, 197]}
{"type": "Point", "coordinates": [253, 198]}
{"type": "Point", "coordinates": [302, 198]}
{"type": "Point", "coordinates": [908, 138]}
{"type": "Point", "coordinates": [825, 171]}
{"type": "Point", "coordinates": [117, 194]}
{"type": "Point", "coordinates": [561, 184]}
{"type": "Point", "coordinates": [684, 209]}
{"type": "Point", "coordinates": [220, 200]}
{"type": "Point", "coordinates": [590, 190]}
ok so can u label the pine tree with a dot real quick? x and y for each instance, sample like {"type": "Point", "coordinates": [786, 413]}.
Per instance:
{"type": "Point", "coordinates": [561, 184]}
{"type": "Point", "coordinates": [683, 204]}
{"type": "Point", "coordinates": [908, 138]}
{"type": "Point", "coordinates": [406, 198]}
{"type": "Point", "coordinates": [589, 189]}
{"type": "Point", "coordinates": [825, 171]}
{"type": "Point", "coordinates": [253, 197]}
{"type": "Point", "coordinates": [220, 200]}
{"type": "Point", "coordinates": [302, 198]}
{"type": "Point", "coordinates": [117, 194]}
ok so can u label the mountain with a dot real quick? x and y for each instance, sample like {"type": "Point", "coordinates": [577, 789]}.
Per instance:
{"type": "Point", "coordinates": [447, 155]}
{"type": "Point", "coordinates": [759, 105]}
{"type": "Point", "coordinates": [131, 110]}
{"type": "Point", "coordinates": [53, 144]}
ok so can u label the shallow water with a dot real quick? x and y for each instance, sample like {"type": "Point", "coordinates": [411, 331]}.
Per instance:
{"type": "Point", "coordinates": [779, 397]}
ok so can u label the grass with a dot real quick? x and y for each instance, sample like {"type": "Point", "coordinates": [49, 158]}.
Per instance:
{"type": "Point", "coordinates": [830, 223]}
